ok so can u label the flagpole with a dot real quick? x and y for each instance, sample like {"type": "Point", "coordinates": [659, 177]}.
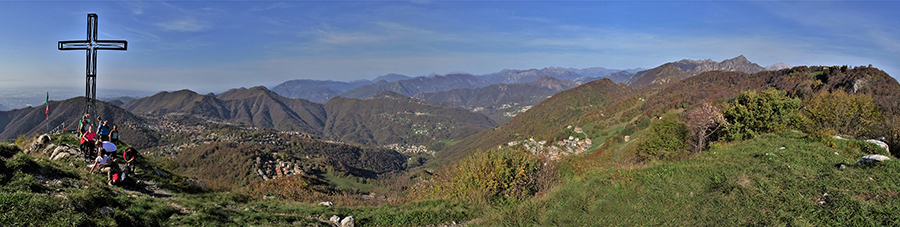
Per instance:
{"type": "Point", "coordinates": [47, 111]}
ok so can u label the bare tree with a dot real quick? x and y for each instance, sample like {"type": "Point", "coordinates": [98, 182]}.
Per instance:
{"type": "Point", "coordinates": [703, 122]}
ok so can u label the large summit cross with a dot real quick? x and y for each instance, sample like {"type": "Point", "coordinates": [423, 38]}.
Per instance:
{"type": "Point", "coordinates": [91, 45]}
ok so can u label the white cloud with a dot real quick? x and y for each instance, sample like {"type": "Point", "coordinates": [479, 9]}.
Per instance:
{"type": "Point", "coordinates": [184, 24]}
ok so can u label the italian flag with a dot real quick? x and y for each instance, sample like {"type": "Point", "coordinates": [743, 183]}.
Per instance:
{"type": "Point", "coordinates": [47, 102]}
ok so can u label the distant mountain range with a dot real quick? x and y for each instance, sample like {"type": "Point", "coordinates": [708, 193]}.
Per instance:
{"type": "Point", "coordinates": [321, 91]}
{"type": "Point", "coordinates": [387, 118]}
{"type": "Point", "coordinates": [501, 101]}
{"type": "Point", "coordinates": [671, 72]}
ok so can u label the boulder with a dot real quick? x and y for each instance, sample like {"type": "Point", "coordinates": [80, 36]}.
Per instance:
{"type": "Point", "coordinates": [106, 211]}
{"type": "Point", "coordinates": [881, 144]}
{"type": "Point", "coordinates": [335, 220]}
{"type": "Point", "coordinates": [326, 203]}
{"type": "Point", "coordinates": [49, 149]}
{"type": "Point", "coordinates": [347, 222]}
{"type": "Point", "coordinates": [44, 139]}
{"type": "Point", "coordinates": [872, 158]}
{"type": "Point", "coordinates": [59, 156]}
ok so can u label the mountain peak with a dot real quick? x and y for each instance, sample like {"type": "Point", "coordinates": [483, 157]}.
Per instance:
{"type": "Point", "coordinates": [777, 66]}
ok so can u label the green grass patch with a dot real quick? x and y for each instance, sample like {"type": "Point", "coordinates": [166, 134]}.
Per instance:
{"type": "Point", "coordinates": [347, 182]}
{"type": "Point", "coordinates": [752, 182]}
{"type": "Point", "coordinates": [449, 142]}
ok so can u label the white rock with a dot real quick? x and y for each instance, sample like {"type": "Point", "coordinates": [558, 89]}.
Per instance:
{"type": "Point", "coordinates": [326, 203]}
{"type": "Point", "coordinates": [872, 158]}
{"type": "Point", "coordinates": [347, 222]}
{"type": "Point", "coordinates": [59, 156]}
{"type": "Point", "coordinates": [335, 219]}
{"type": "Point", "coordinates": [880, 144]}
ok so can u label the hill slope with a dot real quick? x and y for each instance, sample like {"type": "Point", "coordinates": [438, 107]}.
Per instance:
{"type": "Point", "coordinates": [390, 118]}
{"type": "Point", "coordinates": [500, 101]}
{"type": "Point", "coordinates": [413, 86]}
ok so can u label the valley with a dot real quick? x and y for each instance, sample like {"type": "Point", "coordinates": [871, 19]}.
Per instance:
{"type": "Point", "coordinates": [250, 156]}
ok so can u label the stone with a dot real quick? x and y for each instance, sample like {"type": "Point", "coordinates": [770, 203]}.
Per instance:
{"type": "Point", "coordinates": [106, 211]}
{"type": "Point", "coordinates": [160, 173]}
{"type": "Point", "coordinates": [335, 219]}
{"type": "Point", "coordinates": [872, 158]}
{"type": "Point", "coordinates": [781, 148]}
{"type": "Point", "coordinates": [59, 156]}
{"type": "Point", "coordinates": [47, 150]}
{"type": "Point", "coordinates": [881, 144]}
{"type": "Point", "coordinates": [44, 139]}
{"type": "Point", "coordinates": [842, 167]}
{"type": "Point", "coordinates": [347, 222]}
{"type": "Point", "coordinates": [326, 203]}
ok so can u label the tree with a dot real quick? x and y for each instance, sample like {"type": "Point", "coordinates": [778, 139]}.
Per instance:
{"type": "Point", "coordinates": [703, 122]}
{"type": "Point", "coordinates": [753, 113]}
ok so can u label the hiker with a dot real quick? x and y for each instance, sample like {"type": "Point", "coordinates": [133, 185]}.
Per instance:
{"type": "Point", "coordinates": [128, 155]}
{"type": "Point", "coordinates": [102, 165]}
{"type": "Point", "coordinates": [84, 123]}
{"type": "Point", "coordinates": [87, 141]}
{"type": "Point", "coordinates": [106, 147]}
{"type": "Point", "coordinates": [103, 130]}
{"type": "Point", "coordinates": [114, 135]}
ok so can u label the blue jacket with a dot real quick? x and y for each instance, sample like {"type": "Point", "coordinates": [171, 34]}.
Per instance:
{"type": "Point", "coordinates": [104, 130]}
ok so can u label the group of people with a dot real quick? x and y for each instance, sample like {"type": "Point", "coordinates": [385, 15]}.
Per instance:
{"type": "Point", "coordinates": [108, 136]}
{"type": "Point", "coordinates": [103, 144]}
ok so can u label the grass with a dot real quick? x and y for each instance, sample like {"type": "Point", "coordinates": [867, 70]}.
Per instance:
{"type": "Point", "coordinates": [346, 182]}
{"type": "Point", "coordinates": [747, 183]}
{"type": "Point", "coordinates": [407, 214]}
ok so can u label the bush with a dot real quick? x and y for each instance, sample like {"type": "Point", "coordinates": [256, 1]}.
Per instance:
{"type": "Point", "coordinates": [666, 138]}
{"type": "Point", "coordinates": [752, 113]}
{"type": "Point", "coordinates": [8, 150]}
{"type": "Point", "coordinates": [490, 176]}
{"type": "Point", "coordinates": [703, 122]}
{"type": "Point", "coordinates": [840, 112]}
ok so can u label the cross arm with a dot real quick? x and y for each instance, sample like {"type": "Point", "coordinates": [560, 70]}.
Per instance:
{"type": "Point", "coordinates": [74, 45]}
{"type": "Point", "coordinates": [111, 45]}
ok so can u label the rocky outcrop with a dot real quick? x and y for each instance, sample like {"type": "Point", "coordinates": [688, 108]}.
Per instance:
{"type": "Point", "coordinates": [872, 158]}
{"type": "Point", "coordinates": [42, 146]}
{"type": "Point", "coordinates": [881, 144]}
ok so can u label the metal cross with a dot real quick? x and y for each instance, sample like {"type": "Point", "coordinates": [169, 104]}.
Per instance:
{"type": "Point", "coordinates": [91, 45]}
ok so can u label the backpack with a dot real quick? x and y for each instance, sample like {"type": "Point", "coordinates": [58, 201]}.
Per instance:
{"type": "Point", "coordinates": [116, 178]}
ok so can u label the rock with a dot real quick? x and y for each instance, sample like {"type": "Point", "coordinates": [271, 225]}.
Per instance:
{"type": "Point", "coordinates": [347, 222]}
{"type": "Point", "coordinates": [59, 156]}
{"type": "Point", "coordinates": [326, 203]}
{"type": "Point", "coordinates": [106, 211]}
{"type": "Point", "coordinates": [781, 148]}
{"type": "Point", "coordinates": [872, 158]}
{"type": "Point", "coordinates": [335, 219]}
{"type": "Point", "coordinates": [160, 173]}
{"type": "Point", "coordinates": [49, 149]}
{"type": "Point", "coordinates": [44, 139]}
{"type": "Point", "coordinates": [881, 144]}
{"type": "Point", "coordinates": [842, 167]}
{"type": "Point", "coordinates": [870, 179]}
{"type": "Point", "coordinates": [839, 137]}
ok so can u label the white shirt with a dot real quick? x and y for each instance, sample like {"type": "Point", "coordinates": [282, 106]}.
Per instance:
{"type": "Point", "coordinates": [102, 160]}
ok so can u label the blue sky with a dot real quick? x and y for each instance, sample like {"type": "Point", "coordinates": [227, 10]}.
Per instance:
{"type": "Point", "coordinates": [211, 46]}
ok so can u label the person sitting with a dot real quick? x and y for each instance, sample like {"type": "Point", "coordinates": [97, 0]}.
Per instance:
{"type": "Point", "coordinates": [114, 135]}
{"type": "Point", "coordinates": [102, 165]}
{"type": "Point", "coordinates": [103, 130]}
{"type": "Point", "coordinates": [87, 141]}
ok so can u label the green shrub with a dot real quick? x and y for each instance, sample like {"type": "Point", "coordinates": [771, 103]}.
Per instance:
{"type": "Point", "coordinates": [666, 138]}
{"type": "Point", "coordinates": [8, 150]}
{"type": "Point", "coordinates": [489, 176]}
{"type": "Point", "coordinates": [840, 112]}
{"type": "Point", "coordinates": [753, 113]}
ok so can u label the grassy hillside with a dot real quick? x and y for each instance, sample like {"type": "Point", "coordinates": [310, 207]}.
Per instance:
{"type": "Point", "coordinates": [776, 179]}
